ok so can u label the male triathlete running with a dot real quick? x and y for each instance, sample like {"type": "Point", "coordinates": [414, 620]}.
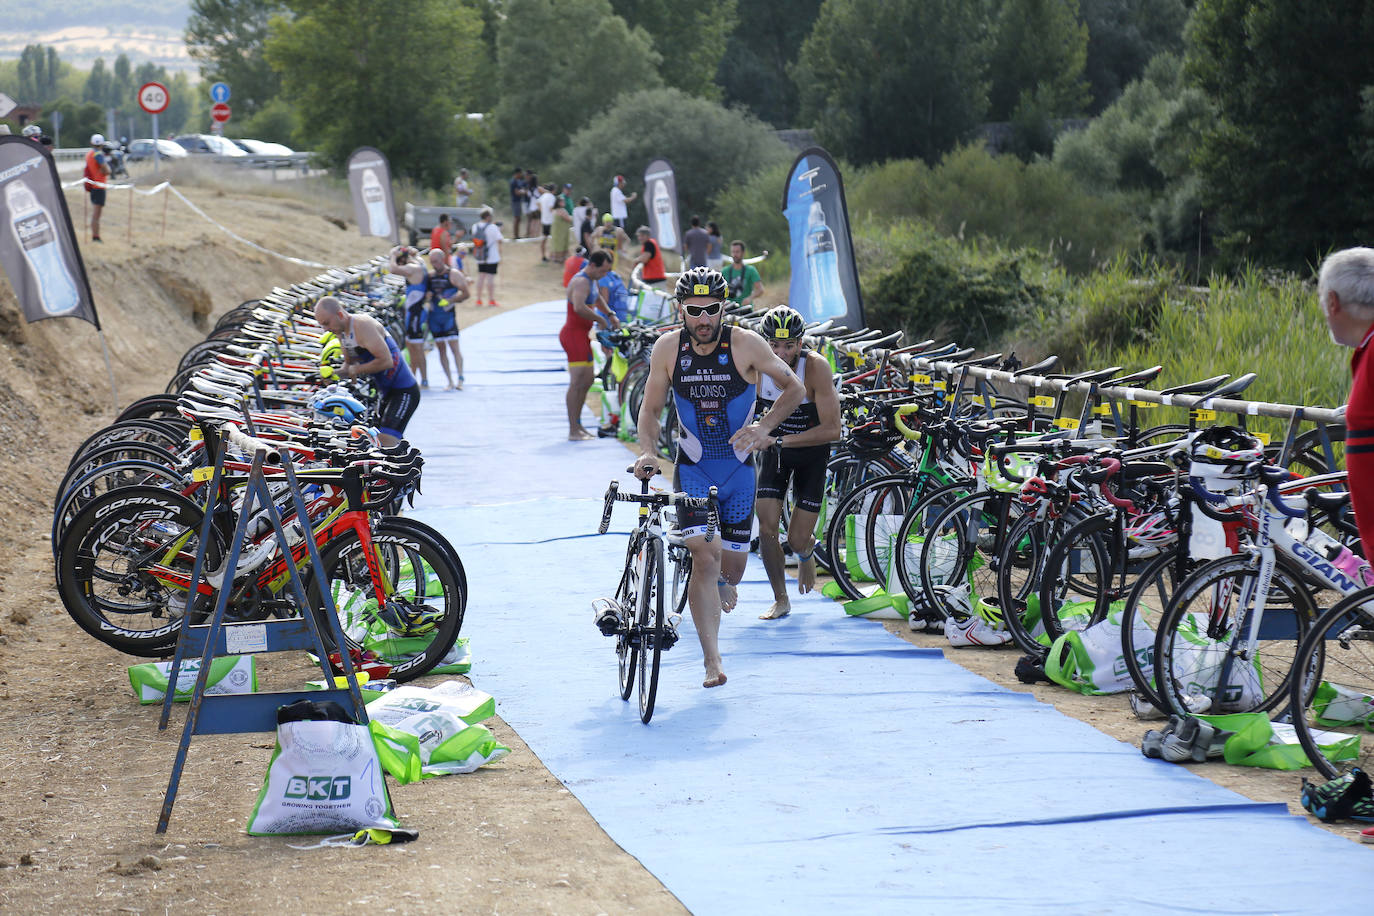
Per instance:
{"type": "Point", "coordinates": [802, 450]}
{"type": "Point", "coordinates": [448, 286]}
{"type": "Point", "coordinates": [406, 262]}
{"type": "Point", "coordinates": [362, 336]}
{"type": "Point", "coordinates": [712, 371]}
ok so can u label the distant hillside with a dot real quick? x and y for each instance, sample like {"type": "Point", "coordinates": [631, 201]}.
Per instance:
{"type": "Point", "coordinates": [27, 16]}
{"type": "Point", "coordinates": [145, 30]}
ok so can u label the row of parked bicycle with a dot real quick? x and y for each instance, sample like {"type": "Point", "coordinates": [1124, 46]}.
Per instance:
{"type": "Point", "coordinates": [129, 514]}
{"type": "Point", "coordinates": [1197, 564]}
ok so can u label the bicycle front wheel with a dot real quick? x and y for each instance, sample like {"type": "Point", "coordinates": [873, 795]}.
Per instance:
{"type": "Point", "coordinates": [1206, 660]}
{"type": "Point", "coordinates": [627, 605]}
{"type": "Point", "coordinates": [649, 624]}
{"type": "Point", "coordinates": [415, 623]}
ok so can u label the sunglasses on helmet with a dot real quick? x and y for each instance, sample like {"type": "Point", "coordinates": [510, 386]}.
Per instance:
{"type": "Point", "coordinates": [696, 311]}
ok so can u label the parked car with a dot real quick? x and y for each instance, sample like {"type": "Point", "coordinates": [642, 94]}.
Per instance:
{"type": "Point", "coordinates": [262, 147]}
{"type": "Point", "coordinates": [208, 144]}
{"type": "Point", "coordinates": [167, 149]}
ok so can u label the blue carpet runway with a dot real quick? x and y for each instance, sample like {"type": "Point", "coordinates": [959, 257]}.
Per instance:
{"type": "Point", "coordinates": [840, 767]}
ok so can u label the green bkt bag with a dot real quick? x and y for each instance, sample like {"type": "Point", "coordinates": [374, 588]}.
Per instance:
{"type": "Point", "coordinates": [1336, 705]}
{"type": "Point", "coordinates": [1197, 665]}
{"type": "Point", "coordinates": [229, 674]}
{"type": "Point", "coordinates": [325, 776]}
{"type": "Point", "coordinates": [1090, 660]}
{"type": "Point", "coordinates": [1257, 742]}
{"type": "Point", "coordinates": [463, 700]}
{"type": "Point", "coordinates": [435, 743]}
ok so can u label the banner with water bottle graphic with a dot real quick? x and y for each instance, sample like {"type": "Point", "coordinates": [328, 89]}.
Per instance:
{"type": "Point", "coordinates": [660, 198]}
{"type": "Point", "coordinates": [43, 264]}
{"type": "Point", "coordinates": [369, 182]}
{"type": "Point", "coordinates": [825, 282]}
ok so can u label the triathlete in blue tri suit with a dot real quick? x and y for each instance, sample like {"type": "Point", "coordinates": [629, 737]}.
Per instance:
{"type": "Point", "coordinates": [406, 262]}
{"type": "Point", "coordinates": [712, 371]}
{"type": "Point", "coordinates": [362, 336]}
{"type": "Point", "coordinates": [447, 287]}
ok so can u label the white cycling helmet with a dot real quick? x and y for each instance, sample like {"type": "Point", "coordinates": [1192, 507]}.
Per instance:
{"type": "Point", "coordinates": [32, 130]}
{"type": "Point", "coordinates": [97, 139]}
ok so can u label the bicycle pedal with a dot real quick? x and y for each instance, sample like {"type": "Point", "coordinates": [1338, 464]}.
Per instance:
{"type": "Point", "coordinates": [669, 637]}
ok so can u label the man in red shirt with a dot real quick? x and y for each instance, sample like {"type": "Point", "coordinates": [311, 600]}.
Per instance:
{"type": "Point", "coordinates": [1345, 289]}
{"type": "Point", "coordinates": [439, 237]}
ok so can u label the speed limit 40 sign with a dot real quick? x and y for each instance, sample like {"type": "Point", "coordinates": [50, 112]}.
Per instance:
{"type": "Point", "coordinates": [153, 98]}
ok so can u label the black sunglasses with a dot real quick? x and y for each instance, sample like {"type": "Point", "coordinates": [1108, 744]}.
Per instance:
{"type": "Point", "coordinates": [696, 311]}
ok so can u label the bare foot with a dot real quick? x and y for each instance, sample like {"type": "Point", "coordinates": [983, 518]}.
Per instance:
{"type": "Point", "coordinates": [714, 680]}
{"type": "Point", "coordinates": [779, 610]}
{"type": "Point", "coordinates": [449, 386]}
{"type": "Point", "coordinates": [728, 598]}
{"type": "Point", "coordinates": [806, 574]}
{"type": "Point", "coordinates": [579, 434]}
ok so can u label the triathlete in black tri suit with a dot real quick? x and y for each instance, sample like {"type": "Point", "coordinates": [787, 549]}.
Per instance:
{"type": "Point", "coordinates": [798, 459]}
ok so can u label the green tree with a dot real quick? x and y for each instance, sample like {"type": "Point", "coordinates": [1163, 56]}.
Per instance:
{"type": "Point", "coordinates": [1037, 59]}
{"type": "Point", "coordinates": [1125, 35]}
{"type": "Point", "coordinates": [1280, 165]}
{"type": "Point", "coordinates": [690, 37]}
{"type": "Point", "coordinates": [390, 74]}
{"type": "Point", "coordinates": [226, 37]}
{"type": "Point", "coordinates": [560, 64]}
{"type": "Point", "coordinates": [754, 70]}
{"type": "Point", "coordinates": [97, 88]}
{"type": "Point", "coordinates": [38, 71]}
{"type": "Point", "coordinates": [881, 80]}
{"type": "Point", "coordinates": [709, 145]}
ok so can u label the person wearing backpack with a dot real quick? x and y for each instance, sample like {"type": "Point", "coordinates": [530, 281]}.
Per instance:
{"type": "Point", "coordinates": [486, 251]}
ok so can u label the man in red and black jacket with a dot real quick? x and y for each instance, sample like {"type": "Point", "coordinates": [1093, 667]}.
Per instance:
{"type": "Point", "coordinates": [1345, 288]}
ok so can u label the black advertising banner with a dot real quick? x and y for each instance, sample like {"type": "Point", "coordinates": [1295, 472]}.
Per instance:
{"type": "Point", "coordinates": [825, 282]}
{"type": "Point", "coordinates": [43, 263]}
{"type": "Point", "coordinates": [369, 181]}
{"type": "Point", "coordinates": [660, 198]}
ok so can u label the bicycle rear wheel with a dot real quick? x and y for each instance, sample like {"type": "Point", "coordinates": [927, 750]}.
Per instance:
{"type": "Point", "coordinates": [415, 625]}
{"type": "Point", "coordinates": [117, 564]}
{"type": "Point", "coordinates": [649, 623]}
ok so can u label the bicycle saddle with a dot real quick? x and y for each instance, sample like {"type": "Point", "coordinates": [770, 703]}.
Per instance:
{"type": "Point", "coordinates": [1206, 384]}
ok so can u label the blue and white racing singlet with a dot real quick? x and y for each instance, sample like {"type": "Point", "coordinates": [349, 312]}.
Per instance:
{"type": "Point", "coordinates": [713, 403]}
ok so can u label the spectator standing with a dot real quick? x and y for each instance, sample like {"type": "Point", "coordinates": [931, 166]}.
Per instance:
{"type": "Point", "coordinates": [519, 194]}
{"type": "Point", "coordinates": [743, 279]}
{"type": "Point", "coordinates": [461, 189]}
{"type": "Point", "coordinates": [546, 204]}
{"type": "Point", "coordinates": [715, 259]}
{"type": "Point", "coordinates": [1345, 291]}
{"type": "Point", "coordinates": [563, 224]}
{"type": "Point", "coordinates": [697, 242]}
{"type": "Point", "coordinates": [650, 258]}
{"type": "Point", "coordinates": [97, 173]}
{"type": "Point", "coordinates": [584, 223]}
{"type": "Point", "coordinates": [531, 205]}
{"type": "Point", "coordinates": [439, 236]}
{"type": "Point", "coordinates": [486, 248]}
{"type": "Point", "coordinates": [620, 201]}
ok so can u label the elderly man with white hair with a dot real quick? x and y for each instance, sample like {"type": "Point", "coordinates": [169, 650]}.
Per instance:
{"type": "Point", "coordinates": [1345, 289]}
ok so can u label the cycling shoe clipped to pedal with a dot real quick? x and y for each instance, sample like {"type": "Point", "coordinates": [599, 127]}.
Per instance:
{"type": "Point", "coordinates": [607, 616]}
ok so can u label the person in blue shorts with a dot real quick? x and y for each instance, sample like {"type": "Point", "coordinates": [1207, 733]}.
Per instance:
{"type": "Point", "coordinates": [447, 287]}
{"type": "Point", "coordinates": [369, 350]}
{"type": "Point", "coordinates": [712, 371]}
{"type": "Point", "coordinates": [406, 262]}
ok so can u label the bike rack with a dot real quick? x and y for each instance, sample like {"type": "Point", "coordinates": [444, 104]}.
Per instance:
{"type": "Point", "coordinates": [237, 713]}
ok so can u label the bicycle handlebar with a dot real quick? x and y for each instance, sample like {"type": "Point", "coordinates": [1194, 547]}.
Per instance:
{"type": "Point", "coordinates": [710, 503]}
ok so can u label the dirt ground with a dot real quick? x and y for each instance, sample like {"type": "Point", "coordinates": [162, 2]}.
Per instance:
{"type": "Point", "coordinates": [84, 767]}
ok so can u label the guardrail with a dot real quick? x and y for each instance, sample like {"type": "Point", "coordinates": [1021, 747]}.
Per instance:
{"type": "Point", "coordinates": [299, 161]}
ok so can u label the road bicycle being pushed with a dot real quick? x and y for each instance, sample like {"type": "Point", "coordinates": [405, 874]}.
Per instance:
{"type": "Point", "coordinates": [642, 616]}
